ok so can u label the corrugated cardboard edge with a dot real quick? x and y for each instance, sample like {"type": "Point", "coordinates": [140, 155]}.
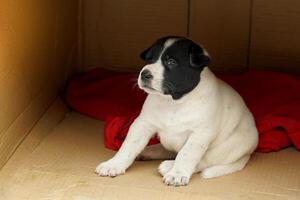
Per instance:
{"type": "Point", "coordinates": [11, 139]}
{"type": "Point", "coordinates": [18, 129]}
{"type": "Point", "coordinates": [55, 114]}
{"type": "Point", "coordinates": [80, 36]}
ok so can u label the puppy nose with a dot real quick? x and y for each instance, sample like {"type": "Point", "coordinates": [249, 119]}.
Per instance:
{"type": "Point", "coordinates": [146, 75]}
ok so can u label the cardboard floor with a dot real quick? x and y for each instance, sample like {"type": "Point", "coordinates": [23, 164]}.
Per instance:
{"type": "Point", "coordinates": [61, 167]}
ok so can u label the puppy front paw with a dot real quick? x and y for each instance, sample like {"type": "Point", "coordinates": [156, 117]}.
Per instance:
{"type": "Point", "coordinates": [176, 178]}
{"type": "Point", "coordinates": [110, 169]}
{"type": "Point", "coordinates": [165, 167]}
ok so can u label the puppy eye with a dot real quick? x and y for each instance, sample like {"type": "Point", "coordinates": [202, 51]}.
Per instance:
{"type": "Point", "coordinates": [171, 62]}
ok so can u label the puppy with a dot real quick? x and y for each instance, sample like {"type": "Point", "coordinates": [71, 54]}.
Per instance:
{"type": "Point", "coordinates": [203, 124]}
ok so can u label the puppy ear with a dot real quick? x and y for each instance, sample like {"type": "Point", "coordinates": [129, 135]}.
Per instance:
{"type": "Point", "coordinates": [145, 55]}
{"type": "Point", "coordinates": [152, 53]}
{"type": "Point", "coordinates": [198, 57]}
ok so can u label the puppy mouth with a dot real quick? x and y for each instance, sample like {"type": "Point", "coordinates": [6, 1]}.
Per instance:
{"type": "Point", "coordinates": [147, 87]}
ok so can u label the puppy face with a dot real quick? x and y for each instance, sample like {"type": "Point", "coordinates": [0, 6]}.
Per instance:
{"type": "Point", "coordinates": [173, 67]}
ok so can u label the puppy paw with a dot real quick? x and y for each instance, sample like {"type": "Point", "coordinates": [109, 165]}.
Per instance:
{"type": "Point", "coordinates": [165, 167]}
{"type": "Point", "coordinates": [110, 169]}
{"type": "Point", "coordinates": [176, 178]}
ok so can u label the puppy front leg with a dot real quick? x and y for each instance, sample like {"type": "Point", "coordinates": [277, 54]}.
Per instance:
{"type": "Point", "coordinates": [186, 161]}
{"type": "Point", "coordinates": [137, 138]}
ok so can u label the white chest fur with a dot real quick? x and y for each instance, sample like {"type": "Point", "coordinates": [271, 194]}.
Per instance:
{"type": "Point", "coordinates": [174, 121]}
{"type": "Point", "coordinates": [175, 128]}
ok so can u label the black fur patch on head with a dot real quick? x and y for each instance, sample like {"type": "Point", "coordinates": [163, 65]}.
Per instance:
{"type": "Point", "coordinates": [183, 62]}
{"type": "Point", "coordinates": [151, 54]}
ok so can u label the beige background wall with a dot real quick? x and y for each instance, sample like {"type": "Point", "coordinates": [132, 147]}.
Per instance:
{"type": "Point", "coordinates": [38, 42]}
{"type": "Point", "coordinates": [114, 32]}
{"type": "Point", "coordinates": [261, 34]}
{"type": "Point", "coordinates": [275, 35]}
{"type": "Point", "coordinates": [223, 28]}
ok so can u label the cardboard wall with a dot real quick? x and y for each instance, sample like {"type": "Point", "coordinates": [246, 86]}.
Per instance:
{"type": "Point", "coordinates": [222, 27]}
{"type": "Point", "coordinates": [37, 50]}
{"type": "Point", "coordinates": [258, 34]}
{"type": "Point", "coordinates": [114, 32]}
{"type": "Point", "coordinates": [275, 35]}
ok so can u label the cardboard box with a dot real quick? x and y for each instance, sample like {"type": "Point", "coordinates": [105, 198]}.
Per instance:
{"type": "Point", "coordinates": [48, 152]}
{"type": "Point", "coordinates": [275, 43]}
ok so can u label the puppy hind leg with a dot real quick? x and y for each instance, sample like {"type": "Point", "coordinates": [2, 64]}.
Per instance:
{"type": "Point", "coordinates": [221, 170]}
{"type": "Point", "coordinates": [156, 152]}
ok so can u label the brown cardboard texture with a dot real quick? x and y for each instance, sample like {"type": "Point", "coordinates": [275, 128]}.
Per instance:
{"type": "Point", "coordinates": [115, 33]}
{"type": "Point", "coordinates": [275, 43]}
{"type": "Point", "coordinates": [37, 49]}
{"type": "Point", "coordinates": [222, 27]}
{"type": "Point", "coordinates": [62, 167]}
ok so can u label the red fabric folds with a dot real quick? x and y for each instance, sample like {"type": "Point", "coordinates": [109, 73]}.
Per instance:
{"type": "Point", "coordinates": [273, 98]}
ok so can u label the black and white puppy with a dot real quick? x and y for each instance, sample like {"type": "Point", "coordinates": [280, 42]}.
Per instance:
{"type": "Point", "coordinates": [203, 124]}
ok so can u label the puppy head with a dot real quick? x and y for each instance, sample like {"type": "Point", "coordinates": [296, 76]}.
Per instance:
{"type": "Point", "coordinates": [173, 67]}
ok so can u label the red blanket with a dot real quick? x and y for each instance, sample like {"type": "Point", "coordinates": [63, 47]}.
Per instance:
{"type": "Point", "coordinates": [273, 98]}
